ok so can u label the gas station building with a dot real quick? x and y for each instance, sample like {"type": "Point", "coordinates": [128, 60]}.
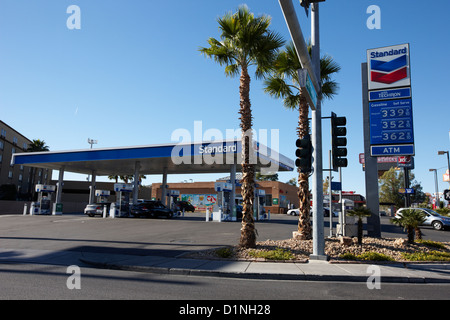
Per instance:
{"type": "Point", "coordinates": [164, 159]}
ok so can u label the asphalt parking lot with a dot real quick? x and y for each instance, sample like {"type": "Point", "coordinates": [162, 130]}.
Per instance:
{"type": "Point", "coordinates": [139, 236]}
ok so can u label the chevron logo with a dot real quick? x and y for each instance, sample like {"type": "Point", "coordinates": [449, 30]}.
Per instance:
{"type": "Point", "coordinates": [389, 72]}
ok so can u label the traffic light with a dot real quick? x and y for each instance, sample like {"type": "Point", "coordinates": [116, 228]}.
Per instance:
{"type": "Point", "coordinates": [304, 154]}
{"type": "Point", "coordinates": [338, 140]}
{"type": "Point", "coordinates": [305, 4]}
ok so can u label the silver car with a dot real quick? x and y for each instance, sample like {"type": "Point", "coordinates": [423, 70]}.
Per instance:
{"type": "Point", "coordinates": [433, 218]}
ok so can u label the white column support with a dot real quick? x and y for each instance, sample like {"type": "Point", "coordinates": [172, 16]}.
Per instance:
{"type": "Point", "coordinates": [60, 185]}
{"type": "Point", "coordinates": [163, 187]}
{"type": "Point", "coordinates": [137, 167]}
{"type": "Point", "coordinates": [92, 188]}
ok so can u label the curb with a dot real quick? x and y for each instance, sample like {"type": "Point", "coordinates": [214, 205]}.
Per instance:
{"type": "Point", "coordinates": [260, 276]}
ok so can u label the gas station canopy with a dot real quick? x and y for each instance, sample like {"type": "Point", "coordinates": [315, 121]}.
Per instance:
{"type": "Point", "coordinates": [174, 158]}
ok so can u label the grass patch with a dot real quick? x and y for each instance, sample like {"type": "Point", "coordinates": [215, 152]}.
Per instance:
{"type": "Point", "coordinates": [276, 254]}
{"type": "Point", "coordinates": [366, 256]}
{"type": "Point", "coordinates": [224, 252]}
{"type": "Point", "coordinates": [431, 243]}
{"type": "Point", "coordinates": [427, 256]}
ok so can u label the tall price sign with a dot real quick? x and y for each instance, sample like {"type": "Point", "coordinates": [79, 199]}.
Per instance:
{"type": "Point", "coordinates": [390, 103]}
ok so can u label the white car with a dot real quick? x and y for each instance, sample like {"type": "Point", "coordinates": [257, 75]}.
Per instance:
{"type": "Point", "coordinates": [293, 212]}
{"type": "Point", "coordinates": [433, 218]}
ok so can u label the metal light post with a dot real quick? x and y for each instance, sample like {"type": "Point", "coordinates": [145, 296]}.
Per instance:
{"type": "Point", "coordinates": [436, 185]}
{"type": "Point", "coordinates": [448, 162]}
{"type": "Point", "coordinates": [91, 142]}
{"type": "Point", "coordinates": [312, 65]}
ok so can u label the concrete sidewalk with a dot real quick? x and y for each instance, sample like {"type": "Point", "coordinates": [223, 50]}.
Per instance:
{"type": "Point", "coordinates": [311, 271]}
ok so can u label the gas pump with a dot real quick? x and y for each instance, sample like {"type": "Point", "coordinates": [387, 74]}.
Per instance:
{"type": "Point", "coordinates": [173, 196]}
{"type": "Point", "coordinates": [223, 200]}
{"type": "Point", "coordinates": [259, 212]}
{"type": "Point", "coordinates": [121, 207]}
{"type": "Point", "coordinates": [43, 204]}
{"type": "Point", "coordinates": [102, 195]}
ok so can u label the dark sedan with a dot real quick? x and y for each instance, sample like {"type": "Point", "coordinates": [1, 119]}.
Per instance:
{"type": "Point", "coordinates": [151, 209]}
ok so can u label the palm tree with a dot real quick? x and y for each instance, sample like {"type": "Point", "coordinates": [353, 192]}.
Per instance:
{"type": "Point", "coordinates": [35, 146]}
{"type": "Point", "coordinates": [360, 213]}
{"type": "Point", "coordinates": [245, 41]}
{"type": "Point", "coordinates": [284, 83]}
{"type": "Point", "coordinates": [410, 220]}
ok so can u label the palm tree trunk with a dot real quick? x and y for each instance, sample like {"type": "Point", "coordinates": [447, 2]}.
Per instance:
{"type": "Point", "coordinates": [304, 225]}
{"type": "Point", "coordinates": [360, 229]}
{"type": "Point", "coordinates": [410, 231]}
{"type": "Point", "coordinates": [248, 233]}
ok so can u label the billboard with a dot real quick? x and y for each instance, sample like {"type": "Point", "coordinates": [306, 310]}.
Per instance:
{"type": "Point", "coordinates": [389, 67]}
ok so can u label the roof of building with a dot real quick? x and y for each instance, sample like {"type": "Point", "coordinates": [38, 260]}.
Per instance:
{"type": "Point", "coordinates": [175, 158]}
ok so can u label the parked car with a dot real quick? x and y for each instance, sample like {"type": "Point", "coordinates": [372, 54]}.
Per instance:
{"type": "Point", "coordinates": [326, 212]}
{"type": "Point", "coordinates": [186, 205]}
{"type": "Point", "coordinates": [293, 212]}
{"type": "Point", "coordinates": [94, 209]}
{"type": "Point", "coordinates": [433, 218]}
{"type": "Point", "coordinates": [151, 209]}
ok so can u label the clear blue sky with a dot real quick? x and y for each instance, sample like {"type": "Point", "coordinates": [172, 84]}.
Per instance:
{"type": "Point", "coordinates": [133, 74]}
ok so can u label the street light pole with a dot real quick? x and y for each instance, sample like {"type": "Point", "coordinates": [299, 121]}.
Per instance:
{"type": "Point", "coordinates": [436, 185]}
{"type": "Point", "coordinates": [448, 163]}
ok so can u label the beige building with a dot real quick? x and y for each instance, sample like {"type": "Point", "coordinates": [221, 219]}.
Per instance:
{"type": "Point", "coordinates": [278, 196]}
{"type": "Point", "coordinates": [12, 141]}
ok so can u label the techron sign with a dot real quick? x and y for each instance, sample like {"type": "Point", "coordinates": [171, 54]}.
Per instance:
{"type": "Point", "coordinates": [388, 67]}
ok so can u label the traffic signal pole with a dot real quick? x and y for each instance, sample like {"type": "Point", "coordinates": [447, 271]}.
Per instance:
{"type": "Point", "coordinates": [313, 66]}
{"type": "Point", "coordinates": [316, 129]}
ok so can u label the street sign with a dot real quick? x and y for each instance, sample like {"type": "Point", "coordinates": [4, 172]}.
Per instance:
{"type": "Point", "coordinates": [307, 87]}
{"type": "Point", "coordinates": [406, 190]}
{"type": "Point", "coordinates": [446, 177]}
{"type": "Point", "coordinates": [389, 150]}
{"type": "Point", "coordinates": [336, 186]}
{"type": "Point", "coordinates": [388, 67]}
{"type": "Point", "coordinates": [391, 122]}
{"type": "Point", "coordinates": [447, 194]}
{"type": "Point", "coordinates": [389, 94]}
{"type": "Point", "coordinates": [405, 162]}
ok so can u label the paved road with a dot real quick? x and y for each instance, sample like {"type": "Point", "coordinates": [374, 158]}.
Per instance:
{"type": "Point", "coordinates": [166, 237]}
{"type": "Point", "coordinates": [50, 282]}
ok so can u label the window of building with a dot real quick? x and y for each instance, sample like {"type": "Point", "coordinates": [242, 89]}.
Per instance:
{"type": "Point", "coordinates": [10, 174]}
{"type": "Point", "coordinates": [268, 200]}
{"type": "Point", "coordinates": [15, 140]}
{"type": "Point", "coordinates": [2, 145]}
{"type": "Point", "coordinates": [3, 133]}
